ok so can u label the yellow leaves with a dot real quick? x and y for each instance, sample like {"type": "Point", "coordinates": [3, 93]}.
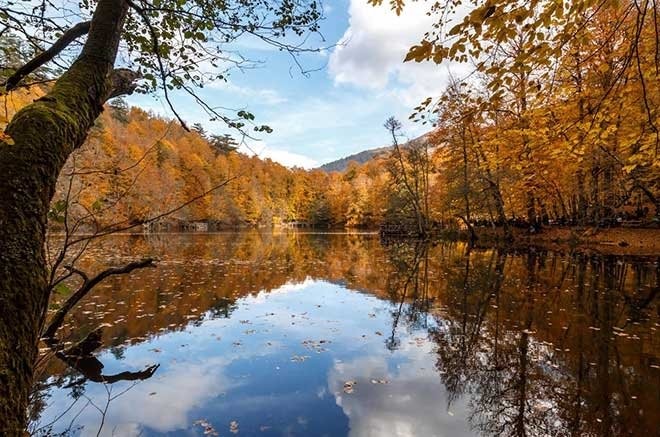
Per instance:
{"type": "Point", "coordinates": [395, 5]}
{"type": "Point", "coordinates": [420, 52]}
{"type": "Point", "coordinates": [629, 168]}
{"type": "Point", "coordinates": [603, 68]}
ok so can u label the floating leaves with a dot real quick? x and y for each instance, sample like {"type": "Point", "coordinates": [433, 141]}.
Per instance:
{"type": "Point", "coordinates": [349, 386]}
{"type": "Point", "coordinates": [380, 381]}
{"type": "Point", "coordinates": [207, 427]}
{"type": "Point", "coordinates": [316, 346]}
{"type": "Point", "coordinates": [299, 358]}
{"type": "Point", "coordinates": [233, 427]}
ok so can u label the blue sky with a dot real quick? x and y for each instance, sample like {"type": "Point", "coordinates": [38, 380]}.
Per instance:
{"type": "Point", "coordinates": [339, 109]}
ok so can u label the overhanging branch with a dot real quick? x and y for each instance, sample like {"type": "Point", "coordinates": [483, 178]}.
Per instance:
{"type": "Point", "coordinates": [86, 287]}
{"type": "Point", "coordinates": [157, 53]}
{"type": "Point", "coordinates": [80, 357]}
{"type": "Point", "coordinates": [63, 42]}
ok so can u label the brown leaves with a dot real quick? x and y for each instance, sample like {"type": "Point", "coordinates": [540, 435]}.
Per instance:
{"type": "Point", "coordinates": [420, 52]}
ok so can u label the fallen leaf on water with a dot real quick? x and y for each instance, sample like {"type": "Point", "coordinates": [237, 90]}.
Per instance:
{"type": "Point", "coordinates": [208, 428]}
{"type": "Point", "coordinates": [380, 381]}
{"type": "Point", "coordinates": [299, 358]}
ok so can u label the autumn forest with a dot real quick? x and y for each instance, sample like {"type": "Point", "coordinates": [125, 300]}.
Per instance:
{"type": "Point", "coordinates": [535, 135]}
{"type": "Point", "coordinates": [480, 258]}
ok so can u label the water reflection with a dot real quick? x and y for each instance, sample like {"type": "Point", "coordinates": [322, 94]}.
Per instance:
{"type": "Point", "coordinates": [259, 333]}
{"type": "Point", "coordinates": [562, 347]}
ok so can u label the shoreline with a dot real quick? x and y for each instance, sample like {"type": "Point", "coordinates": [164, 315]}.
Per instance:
{"type": "Point", "coordinates": [612, 241]}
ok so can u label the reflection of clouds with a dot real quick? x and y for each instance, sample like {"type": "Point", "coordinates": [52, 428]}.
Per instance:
{"type": "Point", "coordinates": [182, 388]}
{"type": "Point", "coordinates": [321, 310]}
{"type": "Point", "coordinates": [413, 403]}
{"type": "Point", "coordinates": [284, 289]}
{"type": "Point", "coordinates": [163, 403]}
{"type": "Point", "coordinates": [197, 368]}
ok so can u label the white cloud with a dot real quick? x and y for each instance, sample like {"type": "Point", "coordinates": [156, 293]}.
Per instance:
{"type": "Point", "coordinates": [284, 157]}
{"type": "Point", "coordinates": [188, 386]}
{"type": "Point", "coordinates": [371, 53]}
{"type": "Point", "coordinates": [163, 403]}
{"type": "Point", "coordinates": [317, 129]}
{"type": "Point", "coordinates": [289, 287]}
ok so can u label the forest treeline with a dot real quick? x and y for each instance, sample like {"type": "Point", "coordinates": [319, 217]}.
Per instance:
{"type": "Point", "coordinates": [535, 136]}
{"type": "Point", "coordinates": [136, 166]}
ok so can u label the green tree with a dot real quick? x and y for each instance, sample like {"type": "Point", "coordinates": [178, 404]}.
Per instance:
{"type": "Point", "coordinates": [223, 143]}
{"type": "Point", "coordinates": [119, 109]}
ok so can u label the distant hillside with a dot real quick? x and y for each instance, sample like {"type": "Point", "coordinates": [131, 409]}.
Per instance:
{"type": "Point", "coordinates": [360, 158]}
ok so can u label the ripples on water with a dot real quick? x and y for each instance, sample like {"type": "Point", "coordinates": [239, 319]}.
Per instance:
{"type": "Point", "coordinates": [336, 335]}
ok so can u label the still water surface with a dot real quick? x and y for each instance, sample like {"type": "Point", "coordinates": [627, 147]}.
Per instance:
{"type": "Point", "coordinates": [338, 335]}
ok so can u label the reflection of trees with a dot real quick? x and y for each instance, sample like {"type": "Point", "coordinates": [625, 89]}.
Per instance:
{"type": "Point", "coordinates": [534, 343]}
{"type": "Point", "coordinates": [80, 402]}
{"type": "Point", "coordinates": [408, 286]}
{"type": "Point", "coordinates": [475, 287]}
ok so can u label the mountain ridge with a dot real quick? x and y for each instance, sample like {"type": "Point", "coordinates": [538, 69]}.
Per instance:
{"type": "Point", "coordinates": [341, 164]}
{"type": "Point", "coordinates": [362, 157]}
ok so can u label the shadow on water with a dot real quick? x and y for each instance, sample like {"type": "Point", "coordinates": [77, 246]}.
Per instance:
{"type": "Point", "coordinates": [510, 342]}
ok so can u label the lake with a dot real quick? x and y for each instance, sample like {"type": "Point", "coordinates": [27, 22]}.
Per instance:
{"type": "Point", "coordinates": [303, 334]}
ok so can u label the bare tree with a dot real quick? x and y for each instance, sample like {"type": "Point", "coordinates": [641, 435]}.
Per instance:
{"type": "Point", "coordinates": [409, 167]}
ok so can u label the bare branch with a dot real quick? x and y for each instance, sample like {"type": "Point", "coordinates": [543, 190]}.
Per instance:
{"type": "Point", "coordinates": [80, 357]}
{"type": "Point", "coordinates": [86, 287]}
{"type": "Point", "coordinates": [67, 38]}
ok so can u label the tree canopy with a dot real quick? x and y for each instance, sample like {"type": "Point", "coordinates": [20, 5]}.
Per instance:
{"type": "Point", "coordinates": [169, 44]}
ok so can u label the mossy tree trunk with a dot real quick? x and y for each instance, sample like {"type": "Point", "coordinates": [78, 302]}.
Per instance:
{"type": "Point", "coordinates": [40, 139]}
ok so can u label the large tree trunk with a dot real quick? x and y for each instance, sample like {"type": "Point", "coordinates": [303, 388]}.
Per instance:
{"type": "Point", "coordinates": [42, 136]}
